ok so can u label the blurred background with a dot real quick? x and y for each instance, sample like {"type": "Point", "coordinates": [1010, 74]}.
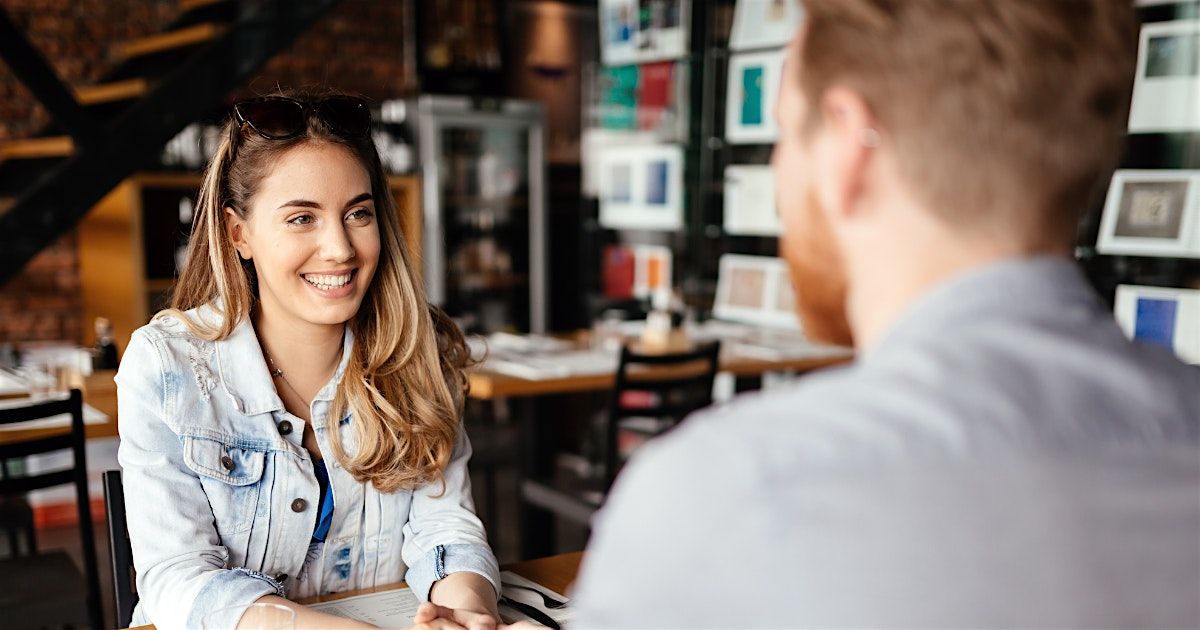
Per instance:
{"type": "Point", "coordinates": [575, 176]}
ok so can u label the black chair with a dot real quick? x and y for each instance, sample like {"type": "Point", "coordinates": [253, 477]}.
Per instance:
{"type": "Point", "coordinates": [16, 519]}
{"type": "Point", "coordinates": [667, 388]}
{"type": "Point", "coordinates": [124, 585]}
{"type": "Point", "coordinates": [50, 583]}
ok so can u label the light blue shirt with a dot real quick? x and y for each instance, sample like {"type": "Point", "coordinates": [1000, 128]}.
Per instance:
{"type": "Point", "coordinates": [1003, 457]}
{"type": "Point", "coordinates": [221, 502]}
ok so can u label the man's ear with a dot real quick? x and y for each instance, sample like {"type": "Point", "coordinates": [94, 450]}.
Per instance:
{"type": "Point", "coordinates": [235, 226]}
{"type": "Point", "coordinates": [851, 139]}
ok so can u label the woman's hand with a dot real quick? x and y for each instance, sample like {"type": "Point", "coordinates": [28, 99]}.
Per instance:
{"type": "Point", "coordinates": [429, 616]}
{"type": "Point", "coordinates": [460, 618]}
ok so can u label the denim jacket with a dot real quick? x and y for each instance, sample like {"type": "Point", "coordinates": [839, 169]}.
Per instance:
{"type": "Point", "coordinates": [221, 496]}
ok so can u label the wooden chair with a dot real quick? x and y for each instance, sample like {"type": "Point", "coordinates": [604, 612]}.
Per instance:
{"type": "Point", "coordinates": [662, 387]}
{"type": "Point", "coordinates": [50, 583]}
{"type": "Point", "coordinates": [124, 585]}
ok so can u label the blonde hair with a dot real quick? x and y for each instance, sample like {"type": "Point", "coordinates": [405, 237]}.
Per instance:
{"type": "Point", "coordinates": [1002, 114]}
{"type": "Point", "coordinates": [405, 381]}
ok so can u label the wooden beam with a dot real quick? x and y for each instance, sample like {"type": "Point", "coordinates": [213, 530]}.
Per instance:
{"type": "Point", "coordinates": [111, 92]}
{"type": "Point", "coordinates": [172, 40]}
{"type": "Point", "coordinates": [32, 148]}
{"type": "Point", "coordinates": [32, 69]}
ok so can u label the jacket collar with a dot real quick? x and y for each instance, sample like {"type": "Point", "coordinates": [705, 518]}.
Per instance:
{"type": "Point", "coordinates": [246, 378]}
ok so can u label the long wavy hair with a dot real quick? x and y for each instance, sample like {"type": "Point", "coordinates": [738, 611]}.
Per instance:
{"type": "Point", "coordinates": [406, 379]}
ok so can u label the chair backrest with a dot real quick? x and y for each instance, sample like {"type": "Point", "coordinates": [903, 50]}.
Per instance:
{"type": "Point", "coordinates": [676, 384]}
{"type": "Point", "coordinates": [124, 584]}
{"type": "Point", "coordinates": [39, 443]}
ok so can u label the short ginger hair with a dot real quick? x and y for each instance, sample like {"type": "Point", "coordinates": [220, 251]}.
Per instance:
{"type": "Point", "coordinates": [1002, 114]}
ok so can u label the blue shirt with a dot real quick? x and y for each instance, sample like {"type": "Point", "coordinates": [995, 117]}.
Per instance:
{"type": "Point", "coordinates": [1002, 457]}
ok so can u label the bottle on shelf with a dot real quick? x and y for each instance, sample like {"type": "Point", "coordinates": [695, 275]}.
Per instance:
{"type": "Point", "coordinates": [104, 353]}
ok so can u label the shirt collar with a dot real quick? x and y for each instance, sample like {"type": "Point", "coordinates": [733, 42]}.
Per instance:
{"type": "Point", "coordinates": [247, 380]}
{"type": "Point", "coordinates": [1040, 284]}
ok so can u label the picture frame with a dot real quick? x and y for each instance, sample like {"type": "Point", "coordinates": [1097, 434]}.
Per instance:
{"type": "Point", "coordinates": [755, 290]}
{"type": "Point", "coordinates": [1167, 317]}
{"type": "Point", "coordinates": [750, 201]}
{"type": "Point", "coordinates": [1166, 86]}
{"type": "Point", "coordinates": [752, 90]}
{"type": "Point", "coordinates": [1152, 213]}
{"type": "Point", "coordinates": [641, 187]}
{"type": "Point", "coordinates": [638, 31]}
{"type": "Point", "coordinates": [759, 24]}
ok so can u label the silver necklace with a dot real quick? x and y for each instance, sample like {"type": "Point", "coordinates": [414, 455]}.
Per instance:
{"type": "Point", "coordinates": [278, 373]}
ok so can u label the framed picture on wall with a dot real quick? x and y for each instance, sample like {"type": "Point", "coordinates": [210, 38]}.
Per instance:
{"type": "Point", "coordinates": [1166, 87]}
{"type": "Point", "coordinates": [750, 98]}
{"type": "Point", "coordinates": [637, 31]}
{"type": "Point", "coordinates": [750, 201]}
{"type": "Point", "coordinates": [1161, 316]}
{"type": "Point", "coordinates": [759, 24]}
{"type": "Point", "coordinates": [1152, 213]}
{"type": "Point", "coordinates": [754, 290]}
{"type": "Point", "coordinates": [641, 187]}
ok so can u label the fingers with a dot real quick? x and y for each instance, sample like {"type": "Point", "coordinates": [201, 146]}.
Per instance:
{"type": "Point", "coordinates": [520, 625]}
{"type": "Point", "coordinates": [437, 624]}
{"type": "Point", "coordinates": [474, 620]}
{"type": "Point", "coordinates": [427, 612]}
{"type": "Point", "coordinates": [434, 616]}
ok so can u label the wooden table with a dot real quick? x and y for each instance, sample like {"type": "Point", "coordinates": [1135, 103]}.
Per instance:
{"type": "Point", "coordinates": [556, 573]}
{"type": "Point", "coordinates": [99, 391]}
{"type": "Point", "coordinates": [487, 384]}
{"type": "Point", "coordinates": [536, 438]}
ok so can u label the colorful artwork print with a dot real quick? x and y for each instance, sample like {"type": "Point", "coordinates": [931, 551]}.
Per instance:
{"type": "Point", "coordinates": [657, 176]}
{"type": "Point", "coordinates": [1155, 322]}
{"type": "Point", "coordinates": [620, 183]}
{"type": "Point", "coordinates": [1166, 87]}
{"type": "Point", "coordinates": [1152, 209]}
{"type": "Point", "coordinates": [746, 287]}
{"type": "Point", "coordinates": [752, 95]}
{"type": "Point", "coordinates": [618, 97]}
{"type": "Point", "coordinates": [1173, 56]}
{"type": "Point", "coordinates": [752, 87]}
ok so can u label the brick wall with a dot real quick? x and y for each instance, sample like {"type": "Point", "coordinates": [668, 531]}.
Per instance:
{"type": "Point", "coordinates": [76, 37]}
{"type": "Point", "coordinates": [358, 46]}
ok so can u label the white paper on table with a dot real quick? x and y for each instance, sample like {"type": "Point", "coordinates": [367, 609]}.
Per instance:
{"type": "Point", "coordinates": [389, 609]}
{"type": "Point", "coordinates": [554, 365]}
{"type": "Point", "coordinates": [11, 384]}
{"type": "Point", "coordinates": [91, 415]}
{"type": "Point", "coordinates": [397, 608]}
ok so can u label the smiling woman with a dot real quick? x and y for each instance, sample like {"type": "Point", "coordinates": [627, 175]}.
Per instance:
{"type": "Point", "coordinates": [331, 456]}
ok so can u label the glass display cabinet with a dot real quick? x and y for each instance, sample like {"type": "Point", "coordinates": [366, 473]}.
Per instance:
{"type": "Point", "coordinates": [483, 198]}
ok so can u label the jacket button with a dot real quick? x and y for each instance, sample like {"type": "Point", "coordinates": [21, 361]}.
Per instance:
{"type": "Point", "coordinates": [227, 462]}
{"type": "Point", "coordinates": [285, 428]}
{"type": "Point", "coordinates": [298, 505]}
{"type": "Point", "coordinates": [282, 577]}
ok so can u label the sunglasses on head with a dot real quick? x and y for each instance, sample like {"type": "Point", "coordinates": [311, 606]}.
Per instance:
{"type": "Point", "coordinates": [280, 117]}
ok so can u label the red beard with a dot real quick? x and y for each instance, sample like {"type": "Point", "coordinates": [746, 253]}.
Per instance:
{"type": "Point", "coordinates": [818, 277]}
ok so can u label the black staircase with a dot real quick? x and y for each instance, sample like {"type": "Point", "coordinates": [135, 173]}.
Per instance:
{"type": "Point", "coordinates": [103, 133]}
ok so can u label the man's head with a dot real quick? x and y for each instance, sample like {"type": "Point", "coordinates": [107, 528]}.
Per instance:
{"type": "Point", "coordinates": [970, 121]}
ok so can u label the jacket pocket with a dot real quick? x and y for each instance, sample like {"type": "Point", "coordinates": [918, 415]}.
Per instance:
{"type": "Point", "coordinates": [231, 476]}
